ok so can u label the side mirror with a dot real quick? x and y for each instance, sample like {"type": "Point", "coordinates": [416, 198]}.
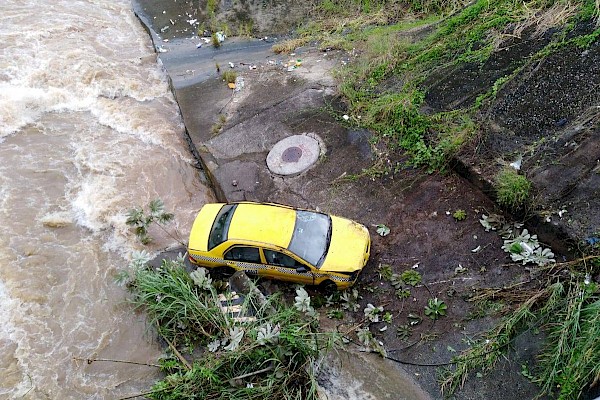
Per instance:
{"type": "Point", "coordinates": [302, 269]}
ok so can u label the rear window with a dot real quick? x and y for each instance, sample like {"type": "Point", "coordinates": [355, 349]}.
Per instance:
{"type": "Point", "coordinates": [220, 228]}
{"type": "Point", "coordinates": [310, 240]}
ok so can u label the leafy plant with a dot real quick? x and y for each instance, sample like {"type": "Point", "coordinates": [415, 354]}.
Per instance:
{"type": "Point", "coordinates": [385, 271]}
{"type": "Point", "coordinates": [403, 331]}
{"type": "Point", "coordinates": [387, 317]}
{"type": "Point", "coordinates": [403, 293]}
{"type": "Point", "coordinates": [335, 314]}
{"type": "Point", "coordinates": [526, 248]}
{"type": "Point", "coordinates": [349, 300]}
{"type": "Point", "coordinates": [459, 215]}
{"type": "Point", "coordinates": [372, 313]}
{"type": "Point", "coordinates": [201, 278]}
{"type": "Point", "coordinates": [512, 189]}
{"type": "Point", "coordinates": [268, 334]}
{"type": "Point", "coordinates": [396, 281]}
{"type": "Point", "coordinates": [141, 220]}
{"type": "Point", "coordinates": [302, 303]}
{"type": "Point", "coordinates": [139, 259]}
{"type": "Point", "coordinates": [365, 336]}
{"type": "Point", "coordinates": [411, 277]}
{"type": "Point", "coordinates": [382, 230]}
{"type": "Point", "coordinates": [435, 308]}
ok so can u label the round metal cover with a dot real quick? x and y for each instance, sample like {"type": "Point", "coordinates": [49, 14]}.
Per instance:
{"type": "Point", "coordinates": [293, 155]}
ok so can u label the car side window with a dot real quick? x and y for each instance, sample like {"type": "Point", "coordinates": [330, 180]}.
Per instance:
{"type": "Point", "coordinates": [281, 260]}
{"type": "Point", "coordinates": [244, 254]}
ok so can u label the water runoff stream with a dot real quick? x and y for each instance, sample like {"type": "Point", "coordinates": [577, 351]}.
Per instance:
{"type": "Point", "coordinates": [88, 129]}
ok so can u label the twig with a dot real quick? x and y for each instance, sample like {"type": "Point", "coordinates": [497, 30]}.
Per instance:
{"type": "Point", "coordinates": [233, 380]}
{"type": "Point", "coordinates": [91, 360]}
{"type": "Point", "coordinates": [178, 354]}
{"type": "Point", "coordinates": [177, 239]}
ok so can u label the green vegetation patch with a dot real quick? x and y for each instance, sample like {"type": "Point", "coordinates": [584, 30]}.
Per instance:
{"type": "Point", "coordinates": [512, 189]}
{"type": "Point", "coordinates": [399, 45]}
{"type": "Point", "coordinates": [569, 313]}
{"type": "Point", "coordinates": [272, 354]}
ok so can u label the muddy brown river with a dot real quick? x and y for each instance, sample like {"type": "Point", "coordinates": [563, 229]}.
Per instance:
{"type": "Point", "coordinates": [88, 129]}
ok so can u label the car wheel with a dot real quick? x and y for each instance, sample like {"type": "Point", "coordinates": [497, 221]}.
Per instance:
{"type": "Point", "coordinates": [328, 287]}
{"type": "Point", "coordinates": [222, 273]}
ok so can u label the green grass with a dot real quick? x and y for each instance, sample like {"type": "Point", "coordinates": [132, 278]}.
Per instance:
{"type": "Point", "coordinates": [182, 313]}
{"type": "Point", "coordinates": [385, 85]}
{"type": "Point", "coordinates": [273, 357]}
{"type": "Point", "coordinates": [512, 190]}
{"type": "Point", "coordinates": [229, 76]}
{"type": "Point", "coordinates": [568, 311]}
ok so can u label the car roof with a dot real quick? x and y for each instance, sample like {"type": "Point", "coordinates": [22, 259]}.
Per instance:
{"type": "Point", "coordinates": [267, 223]}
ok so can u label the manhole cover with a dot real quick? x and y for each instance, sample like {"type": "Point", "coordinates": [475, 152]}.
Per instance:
{"type": "Point", "coordinates": [293, 155]}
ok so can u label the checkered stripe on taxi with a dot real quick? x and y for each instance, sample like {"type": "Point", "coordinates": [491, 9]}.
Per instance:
{"type": "Point", "coordinates": [254, 268]}
{"type": "Point", "coordinates": [204, 258]}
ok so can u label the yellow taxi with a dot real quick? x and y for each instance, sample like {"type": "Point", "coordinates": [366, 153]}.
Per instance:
{"type": "Point", "coordinates": [280, 242]}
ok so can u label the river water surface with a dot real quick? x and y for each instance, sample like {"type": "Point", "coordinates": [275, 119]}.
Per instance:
{"type": "Point", "coordinates": [88, 129]}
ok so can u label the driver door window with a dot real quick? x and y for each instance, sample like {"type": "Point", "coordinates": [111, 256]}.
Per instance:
{"type": "Point", "coordinates": [281, 260]}
{"type": "Point", "coordinates": [243, 254]}
{"type": "Point", "coordinates": [284, 267]}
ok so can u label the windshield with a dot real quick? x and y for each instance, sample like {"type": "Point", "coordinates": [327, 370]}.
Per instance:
{"type": "Point", "coordinates": [311, 236]}
{"type": "Point", "coordinates": [220, 228]}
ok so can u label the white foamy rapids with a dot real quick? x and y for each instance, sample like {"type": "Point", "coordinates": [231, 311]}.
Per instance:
{"type": "Point", "coordinates": [88, 130]}
{"type": "Point", "coordinates": [58, 60]}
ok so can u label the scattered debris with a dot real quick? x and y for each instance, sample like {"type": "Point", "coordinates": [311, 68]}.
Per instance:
{"type": "Point", "coordinates": [517, 163]}
{"type": "Point", "coordinates": [460, 269]}
{"type": "Point", "coordinates": [239, 83]}
{"type": "Point", "coordinates": [292, 65]}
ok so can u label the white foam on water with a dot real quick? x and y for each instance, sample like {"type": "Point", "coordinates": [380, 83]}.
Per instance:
{"type": "Point", "coordinates": [6, 305]}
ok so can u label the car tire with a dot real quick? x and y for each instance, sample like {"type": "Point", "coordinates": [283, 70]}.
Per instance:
{"type": "Point", "coordinates": [328, 287]}
{"type": "Point", "coordinates": [222, 273]}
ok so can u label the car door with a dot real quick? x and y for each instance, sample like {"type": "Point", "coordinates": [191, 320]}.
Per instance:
{"type": "Point", "coordinates": [244, 258]}
{"type": "Point", "coordinates": [284, 267]}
